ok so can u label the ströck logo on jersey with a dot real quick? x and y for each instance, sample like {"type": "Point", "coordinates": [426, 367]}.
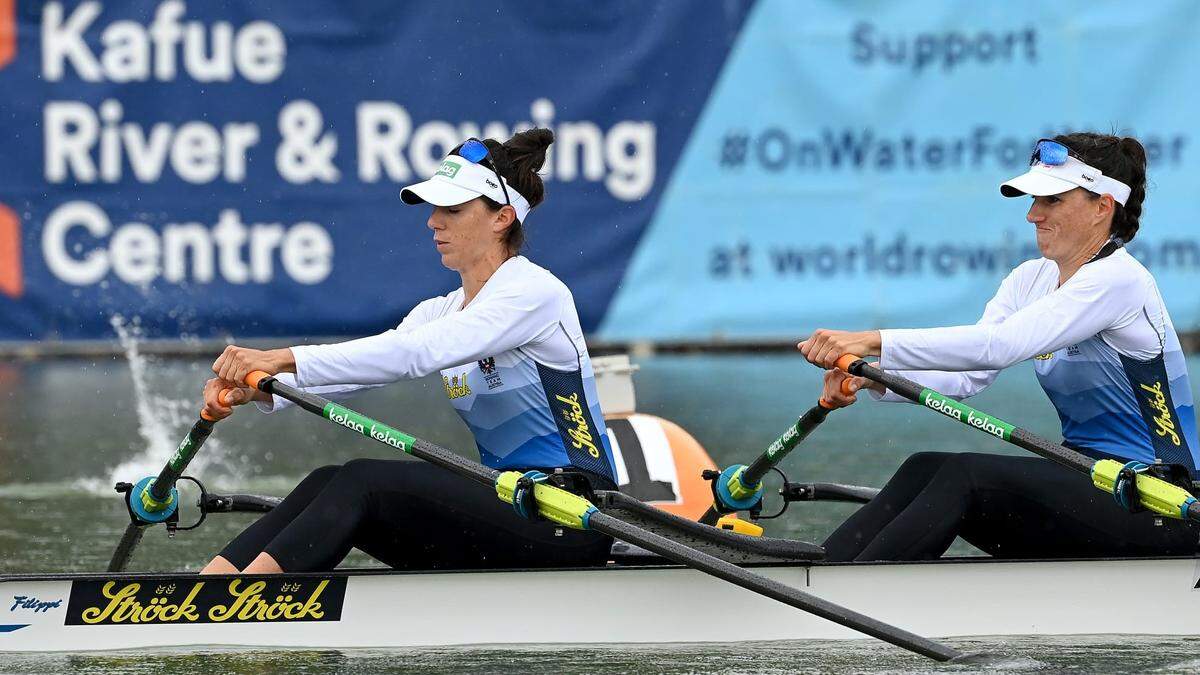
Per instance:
{"type": "Point", "coordinates": [1164, 421]}
{"type": "Point", "coordinates": [456, 386]}
{"type": "Point", "coordinates": [577, 429]}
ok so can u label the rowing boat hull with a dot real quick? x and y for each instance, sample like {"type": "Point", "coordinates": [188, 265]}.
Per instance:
{"type": "Point", "coordinates": [618, 604]}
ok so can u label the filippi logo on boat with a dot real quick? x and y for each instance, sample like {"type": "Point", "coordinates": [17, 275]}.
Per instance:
{"type": "Point", "coordinates": [100, 602]}
{"type": "Point", "coordinates": [33, 604]}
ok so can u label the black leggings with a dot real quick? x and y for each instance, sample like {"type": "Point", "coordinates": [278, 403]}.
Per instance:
{"type": "Point", "coordinates": [1010, 507]}
{"type": "Point", "coordinates": [409, 515]}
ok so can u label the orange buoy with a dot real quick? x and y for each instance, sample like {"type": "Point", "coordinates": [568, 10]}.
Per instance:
{"type": "Point", "coordinates": [660, 463]}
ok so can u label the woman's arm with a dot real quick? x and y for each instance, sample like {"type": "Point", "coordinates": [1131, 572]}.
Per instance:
{"type": "Point", "coordinates": [1092, 301]}
{"type": "Point", "coordinates": [958, 385]}
{"type": "Point", "coordinates": [511, 317]}
{"type": "Point", "coordinates": [281, 363]}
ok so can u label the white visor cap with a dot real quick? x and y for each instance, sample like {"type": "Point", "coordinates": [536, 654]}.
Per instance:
{"type": "Point", "coordinates": [1047, 179]}
{"type": "Point", "coordinates": [458, 181]}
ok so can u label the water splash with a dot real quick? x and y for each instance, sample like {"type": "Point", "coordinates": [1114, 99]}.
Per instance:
{"type": "Point", "coordinates": [162, 421]}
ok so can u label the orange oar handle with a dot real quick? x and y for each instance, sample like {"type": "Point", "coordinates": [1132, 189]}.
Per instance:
{"type": "Point", "coordinates": [843, 364]}
{"type": "Point", "coordinates": [222, 397]}
{"type": "Point", "coordinates": [845, 383]}
{"type": "Point", "coordinates": [255, 377]}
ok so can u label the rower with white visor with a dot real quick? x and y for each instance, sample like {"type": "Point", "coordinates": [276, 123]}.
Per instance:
{"type": "Point", "coordinates": [512, 359]}
{"type": "Point", "coordinates": [1105, 351]}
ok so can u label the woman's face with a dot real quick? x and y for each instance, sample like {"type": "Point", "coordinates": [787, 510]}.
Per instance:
{"type": "Point", "coordinates": [464, 234]}
{"type": "Point", "coordinates": [1070, 222]}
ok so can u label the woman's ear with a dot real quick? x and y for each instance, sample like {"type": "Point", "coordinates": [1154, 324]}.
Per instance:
{"type": "Point", "coordinates": [1105, 207]}
{"type": "Point", "coordinates": [503, 219]}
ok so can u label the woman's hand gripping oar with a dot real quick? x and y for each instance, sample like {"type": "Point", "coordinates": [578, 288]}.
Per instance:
{"type": "Point", "coordinates": [1111, 476]}
{"type": "Point", "coordinates": [739, 487]}
{"type": "Point", "coordinates": [155, 500]}
{"type": "Point", "coordinates": [571, 510]}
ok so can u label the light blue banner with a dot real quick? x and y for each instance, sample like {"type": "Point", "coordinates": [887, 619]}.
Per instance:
{"type": "Point", "coordinates": [845, 172]}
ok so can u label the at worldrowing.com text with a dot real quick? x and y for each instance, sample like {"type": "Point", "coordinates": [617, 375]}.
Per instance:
{"type": "Point", "coordinates": [775, 149]}
{"type": "Point", "coordinates": [898, 256]}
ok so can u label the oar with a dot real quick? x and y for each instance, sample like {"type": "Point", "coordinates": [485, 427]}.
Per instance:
{"type": "Point", "coordinates": [571, 510]}
{"type": "Point", "coordinates": [154, 500]}
{"type": "Point", "coordinates": [739, 487]}
{"type": "Point", "coordinates": [1155, 494]}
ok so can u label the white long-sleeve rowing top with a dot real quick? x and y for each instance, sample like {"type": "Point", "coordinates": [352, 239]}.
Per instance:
{"type": "Point", "coordinates": [513, 363]}
{"type": "Point", "coordinates": [1104, 349]}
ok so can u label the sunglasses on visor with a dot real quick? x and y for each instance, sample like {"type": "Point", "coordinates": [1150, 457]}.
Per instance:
{"type": "Point", "coordinates": [475, 152]}
{"type": "Point", "coordinates": [1049, 152]}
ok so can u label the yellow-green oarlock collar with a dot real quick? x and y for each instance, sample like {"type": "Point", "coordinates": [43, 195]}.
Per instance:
{"type": "Point", "coordinates": [1155, 494]}
{"type": "Point", "coordinates": [553, 504]}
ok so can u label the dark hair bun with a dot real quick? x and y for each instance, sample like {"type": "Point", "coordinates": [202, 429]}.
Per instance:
{"type": "Point", "coordinates": [527, 149]}
{"type": "Point", "coordinates": [1134, 151]}
{"type": "Point", "coordinates": [520, 158]}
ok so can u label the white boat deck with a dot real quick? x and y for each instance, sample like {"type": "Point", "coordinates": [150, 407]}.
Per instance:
{"type": "Point", "coordinates": [617, 604]}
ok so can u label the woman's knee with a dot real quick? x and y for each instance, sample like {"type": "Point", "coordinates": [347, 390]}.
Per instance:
{"type": "Point", "coordinates": [321, 475]}
{"type": "Point", "coordinates": [316, 480]}
{"type": "Point", "coordinates": [956, 474]}
{"type": "Point", "coordinates": [361, 468]}
{"type": "Point", "coordinates": [924, 463]}
{"type": "Point", "coordinates": [365, 475]}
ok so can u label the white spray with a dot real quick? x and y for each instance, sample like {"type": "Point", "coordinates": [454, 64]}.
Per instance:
{"type": "Point", "coordinates": [162, 422]}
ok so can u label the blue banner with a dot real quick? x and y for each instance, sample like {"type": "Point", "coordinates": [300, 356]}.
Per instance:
{"type": "Point", "coordinates": [234, 167]}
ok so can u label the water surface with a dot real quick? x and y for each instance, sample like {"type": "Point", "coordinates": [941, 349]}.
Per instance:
{"type": "Point", "coordinates": [69, 428]}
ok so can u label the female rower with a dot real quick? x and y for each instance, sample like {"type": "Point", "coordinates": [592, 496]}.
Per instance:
{"type": "Point", "coordinates": [1105, 352]}
{"type": "Point", "coordinates": [513, 360]}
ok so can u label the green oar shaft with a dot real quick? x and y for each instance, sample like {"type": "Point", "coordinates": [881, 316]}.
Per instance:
{"type": "Point", "coordinates": [1156, 494]}
{"type": "Point", "coordinates": [157, 495]}
{"type": "Point", "coordinates": [774, 454]}
{"type": "Point", "coordinates": [175, 466]}
{"type": "Point", "coordinates": [606, 524]}
{"type": "Point", "coordinates": [783, 445]}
